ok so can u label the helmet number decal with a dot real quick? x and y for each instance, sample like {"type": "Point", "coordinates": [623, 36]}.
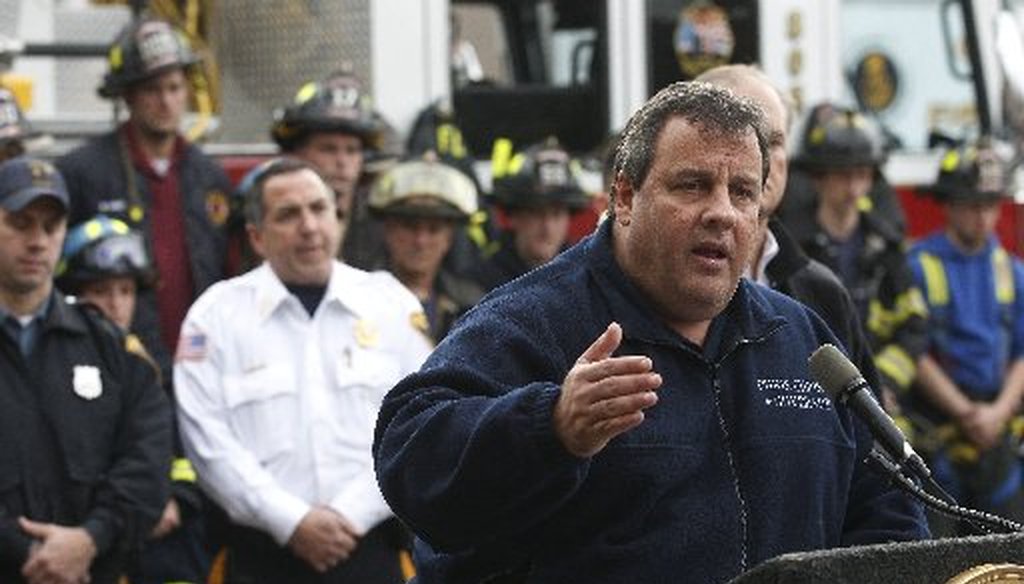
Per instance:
{"type": "Point", "coordinates": [157, 46]}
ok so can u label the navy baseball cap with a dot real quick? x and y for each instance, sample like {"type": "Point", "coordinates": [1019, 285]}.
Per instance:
{"type": "Point", "coordinates": [24, 179]}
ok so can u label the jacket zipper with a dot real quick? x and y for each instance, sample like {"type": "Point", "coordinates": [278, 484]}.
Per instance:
{"type": "Point", "coordinates": [727, 437]}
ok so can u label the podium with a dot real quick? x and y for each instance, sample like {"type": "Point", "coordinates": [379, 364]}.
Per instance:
{"type": "Point", "coordinates": [921, 562]}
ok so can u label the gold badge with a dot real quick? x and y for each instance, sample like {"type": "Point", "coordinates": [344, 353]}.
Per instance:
{"type": "Point", "coordinates": [418, 320]}
{"type": "Point", "coordinates": [367, 335]}
{"type": "Point", "coordinates": [217, 208]}
{"type": "Point", "coordinates": [989, 574]}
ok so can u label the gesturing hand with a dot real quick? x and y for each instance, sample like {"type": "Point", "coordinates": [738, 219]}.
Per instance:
{"type": "Point", "coordinates": [603, 396]}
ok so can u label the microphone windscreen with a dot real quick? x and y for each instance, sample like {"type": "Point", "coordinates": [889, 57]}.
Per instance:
{"type": "Point", "coordinates": [832, 370]}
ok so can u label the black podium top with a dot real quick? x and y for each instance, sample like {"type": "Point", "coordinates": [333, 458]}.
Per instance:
{"type": "Point", "coordinates": [919, 562]}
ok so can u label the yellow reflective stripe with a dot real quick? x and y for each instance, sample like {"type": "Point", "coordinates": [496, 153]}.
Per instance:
{"type": "Point", "coordinates": [935, 279]}
{"type": "Point", "coordinates": [306, 92]}
{"type": "Point", "coordinates": [93, 229]}
{"type": "Point", "coordinates": [443, 138]}
{"type": "Point", "coordinates": [475, 229]}
{"type": "Point", "coordinates": [516, 163]}
{"type": "Point", "coordinates": [877, 319]}
{"type": "Point", "coordinates": [962, 452]}
{"type": "Point", "coordinates": [897, 364]}
{"type": "Point", "coordinates": [501, 153]}
{"type": "Point", "coordinates": [115, 57]}
{"type": "Point", "coordinates": [405, 562]}
{"type": "Point", "coordinates": [1017, 426]}
{"type": "Point", "coordinates": [882, 321]}
{"type": "Point", "coordinates": [951, 161]}
{"type": "Point", "coordinates": [1003, 269]}
{"type": "Point", "coordinates": [182, 471]}
{"type": "Point", "coordinates": [907, 427]}
{"type": "Point", "coordinates": [449, 141]}
{"type": "Point", "coordinates": [865, 204]}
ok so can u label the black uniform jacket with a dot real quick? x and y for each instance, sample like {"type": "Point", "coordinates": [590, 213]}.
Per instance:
{"type": "Point", "coordinates": [97, 182]}
{"type": "Point", "coordinates": [85, 439]}
{"type": "Point", "coordinates": [798, 276]}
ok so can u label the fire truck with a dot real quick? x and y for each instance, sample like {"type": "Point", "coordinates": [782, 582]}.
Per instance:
{"type": "Point", "coordinates": [927, 71]}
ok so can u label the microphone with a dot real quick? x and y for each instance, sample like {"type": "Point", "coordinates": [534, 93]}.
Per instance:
{"type": "Point", "coordinates": [844, 384]}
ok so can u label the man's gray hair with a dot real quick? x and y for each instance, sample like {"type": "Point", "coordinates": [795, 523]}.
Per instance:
{"type": "Point", "coordinates": [254, 185]}
{"type": "Point", "coordinates": [712, 108]}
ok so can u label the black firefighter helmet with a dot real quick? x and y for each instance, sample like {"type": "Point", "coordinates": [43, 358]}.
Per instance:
{"type": "Point", "coordinates": [13, 125]}
{"type": "Point", "coordinates": [543, 174]}
{"type": "Point", "coordinates": [145, 48]}
{"type": "Point", "coordinates": [335, 104]}
{"type": "Point", "coordinates": [835, 137]}
{"type": "Point", "coordinates": [970, 173]}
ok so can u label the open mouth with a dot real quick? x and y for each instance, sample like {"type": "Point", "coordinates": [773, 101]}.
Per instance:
{"type": "Point", "coordinates": [712, 251]}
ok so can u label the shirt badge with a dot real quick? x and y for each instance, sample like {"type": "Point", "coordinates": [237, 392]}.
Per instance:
{"type": "Point", "coordinates": [217, 208]}
{"type": "Point", "coordinates": [418, 320]}
{"type": "Point", "coordinates": [367, 335]}
{"type": "Point", "coordinates": [86, 382]}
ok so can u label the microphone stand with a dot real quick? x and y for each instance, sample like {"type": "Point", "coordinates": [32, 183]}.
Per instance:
{"type": "Point", "coordinates": [985, 523]}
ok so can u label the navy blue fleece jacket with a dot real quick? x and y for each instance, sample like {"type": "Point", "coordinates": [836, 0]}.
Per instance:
{"type": "Point", "coordinates": [742, 458]}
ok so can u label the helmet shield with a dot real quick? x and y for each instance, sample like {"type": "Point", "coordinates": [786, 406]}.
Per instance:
{"type": "Point", "coordinates": [972, 173]}
{"type": "Point", "coordinates": [836, 138]}
{"type": "Point", "coordinates": [143, 50]}
{"type": "Point", "coordinates": [543, 174]}
{"type": "Point", "coordinates": [424, 188]}
{"type": "Point", "coordinates": [335, 104]}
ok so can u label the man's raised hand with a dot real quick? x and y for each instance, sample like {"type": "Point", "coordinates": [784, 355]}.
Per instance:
{"type": "Point", "coordinates": [603, 396]}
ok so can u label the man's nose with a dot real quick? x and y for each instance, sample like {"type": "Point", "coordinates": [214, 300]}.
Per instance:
{"type": "Point", "coordinates": [307, 221]}
{"type": "Point", "coordinates": [720, 209]}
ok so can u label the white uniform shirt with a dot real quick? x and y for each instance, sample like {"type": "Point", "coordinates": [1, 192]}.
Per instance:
{"type": "Point", "coordinates": [759, 273]}
{"type": "Point", "coordinates": [277, 409]}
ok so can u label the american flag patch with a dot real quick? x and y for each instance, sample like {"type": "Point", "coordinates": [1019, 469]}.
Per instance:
{"type": "Point", "coordinates": [191, 347]}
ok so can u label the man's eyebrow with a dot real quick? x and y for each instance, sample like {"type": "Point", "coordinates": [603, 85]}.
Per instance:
{"type": "Point", "coordinates": [689, 172]}
{"type": "Point", "coordinates": [742, 180]}
{"type": "Point", "coordinates": [287, 207]}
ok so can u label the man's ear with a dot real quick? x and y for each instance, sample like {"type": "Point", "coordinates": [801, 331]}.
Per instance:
{"type": "Point", "coordinates": [255, 238]}
{"type": "Point", "coordinates": [624, 196]}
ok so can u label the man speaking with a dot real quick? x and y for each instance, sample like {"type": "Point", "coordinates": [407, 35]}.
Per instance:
{"type": "Point", "coordinates": [633, 411]}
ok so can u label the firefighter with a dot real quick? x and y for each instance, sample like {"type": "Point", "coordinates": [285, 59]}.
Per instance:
{"type": "Point", "coordinates": [436, 129]}
{"type": "Point", "coordinates": [844, 231]}
{"type": "Point", "coordinates": [85, 429]}
{"type": "Point", "coordinates": [538, 191]}
{"type": "Point", "coordinates": [331, 124]}
{"type": "Point", "coordinates": [800, 198]}
{"type": "Point", "coordinates": [147, 175]}
{"type": "Point", "coordinates": [973, 374]}
{"type": "Point", "coordinates": [105, 264]}
{"type": "Point", "coordinates": [14, 128]}
{"type": "Point", "coordinates": [422, 204]}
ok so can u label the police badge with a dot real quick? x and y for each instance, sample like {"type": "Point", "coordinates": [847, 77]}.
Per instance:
{"type": "Point", "coordinates": [86, 382]}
